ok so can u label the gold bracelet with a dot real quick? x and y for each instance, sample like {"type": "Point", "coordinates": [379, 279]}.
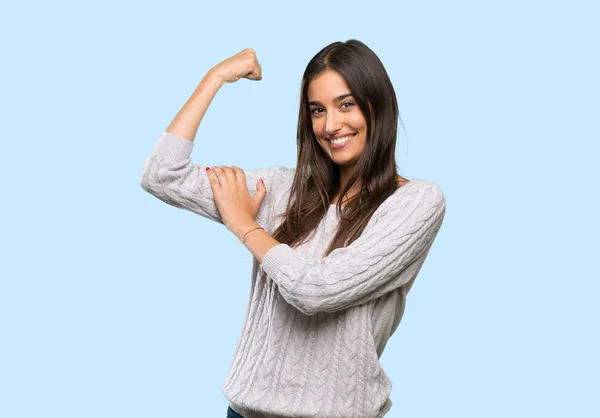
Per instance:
{"type": "Point", "coordinates": [253, 229]}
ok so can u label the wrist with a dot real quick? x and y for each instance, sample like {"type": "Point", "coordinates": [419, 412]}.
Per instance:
{"type": "Point", "coordinates": [213, 77]}
{"type": "Point", "coordinates": [239, 229]}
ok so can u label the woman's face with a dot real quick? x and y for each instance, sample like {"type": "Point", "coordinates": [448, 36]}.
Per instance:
{"type": "Point", "coordinates": [335, 114]}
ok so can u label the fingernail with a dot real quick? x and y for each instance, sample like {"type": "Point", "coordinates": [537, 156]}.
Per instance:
{"type": "Point", "coordinates": [263, 182]}
{"type": "Point", "coordinates": [207, 168]}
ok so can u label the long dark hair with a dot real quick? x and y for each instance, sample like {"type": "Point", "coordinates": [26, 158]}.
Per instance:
{"type": "Point", "coordinates": [317, 177]}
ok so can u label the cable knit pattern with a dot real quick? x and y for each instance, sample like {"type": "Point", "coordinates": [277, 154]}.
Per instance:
{"type": "Point", "coordinates": [315, 329]}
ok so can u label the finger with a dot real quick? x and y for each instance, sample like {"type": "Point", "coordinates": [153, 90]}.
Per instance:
{"type": "Point", "coordinates": [261, 192]}
{"type": "Point", "coordinates": [214, 181]}
{"type": "Point", "coordinates": [240, 176]}
{"type": "Point", "coordinates": [254, 70]}
{"type": "Point", "coordinates": [258, 71]}
{"type": "Point", "coordinates": [250, 75]}
{"type": "Point", "coordinates": [228, 174]}
{"type": "Point", "coordinates": [221, 177]}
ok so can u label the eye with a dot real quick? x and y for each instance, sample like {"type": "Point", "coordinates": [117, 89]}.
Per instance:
{"type": "Point", "coordinates": [314, 111]}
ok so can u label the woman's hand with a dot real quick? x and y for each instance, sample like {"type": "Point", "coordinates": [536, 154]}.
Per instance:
{"type": "Point", "coordinates": [236, 206]}
{"type": "Point", "coordinates": [242, 65]}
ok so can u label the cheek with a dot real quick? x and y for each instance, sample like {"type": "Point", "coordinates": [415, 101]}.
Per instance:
{"type": "Point", "coordinates": [318, 129]}
{"type": "Point", "coordinates": [358, 121]}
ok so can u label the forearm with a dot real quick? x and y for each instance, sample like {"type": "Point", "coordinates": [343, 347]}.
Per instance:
{"type": "Point", "coordinates": [259, 242]}
{"type": "Point", "coordinates": [186, 122]}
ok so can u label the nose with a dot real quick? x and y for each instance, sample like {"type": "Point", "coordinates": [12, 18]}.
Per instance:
{"type": "Point", "coordinates": [333, 124]}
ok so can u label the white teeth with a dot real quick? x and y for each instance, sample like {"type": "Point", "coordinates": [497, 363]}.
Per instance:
{"type": "Point", "coordinates": [341, 140]}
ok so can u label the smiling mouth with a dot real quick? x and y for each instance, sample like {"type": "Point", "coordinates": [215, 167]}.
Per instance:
{"type": "Point", "coordinates": [341, 142]}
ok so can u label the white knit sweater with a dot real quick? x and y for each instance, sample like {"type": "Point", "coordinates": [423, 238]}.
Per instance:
{"type": "Point", "coordinates": [315, 329]}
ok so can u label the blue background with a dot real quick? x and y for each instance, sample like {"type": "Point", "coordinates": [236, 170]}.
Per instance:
{"type": "Point", "coordinates": [115, 304]}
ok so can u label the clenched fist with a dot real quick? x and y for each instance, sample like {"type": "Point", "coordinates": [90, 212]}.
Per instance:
{"type": "Point", "coordinates": [242, 65]}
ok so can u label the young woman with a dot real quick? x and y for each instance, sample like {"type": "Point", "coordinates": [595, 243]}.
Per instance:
{"type": "Point", "coordinates": [337, 241]}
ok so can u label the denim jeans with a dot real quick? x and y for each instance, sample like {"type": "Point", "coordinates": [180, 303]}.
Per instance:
{"type": "Point", "coordinates": [232, 414]}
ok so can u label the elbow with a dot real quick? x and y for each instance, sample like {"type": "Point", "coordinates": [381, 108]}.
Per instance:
{"type": "Point", "coordinates": [311, 306]}
{"type": "Point", "coordinates": [145, 182]}
{"type": "Point", "coordinates": [307, 310]}
{"type": "Point", "coordinates": [150, 178]}
{"type": "Point", "coordinates": [146, 187]}
{"type": "Point", "coordinates": [306, 306]}
{"type": "Point", "coordinates": [308, 300]}
{"type": "Point", "coordinates": [312, 309]}
{"type": "Point", "coordinates": [154, 176]}
{"type": "Point", "coordinates": [145, 175]}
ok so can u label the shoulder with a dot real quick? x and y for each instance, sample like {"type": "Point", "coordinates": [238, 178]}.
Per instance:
{"type": "Point", "coordinates": [429, 187]}
{"type": "Point", "coordinates": [416, 195]}
{"type": "Point", "coordinates": [415, 210]}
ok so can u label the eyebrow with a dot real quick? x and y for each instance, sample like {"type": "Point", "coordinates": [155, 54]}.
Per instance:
{"type": "Point", "coordinates": [337, 99]}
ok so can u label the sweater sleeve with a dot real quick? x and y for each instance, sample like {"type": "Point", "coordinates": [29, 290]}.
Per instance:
{"type": "Point", "coordinates": [169, 174]}
{"type": "Point", "coordinates": [398, 233]}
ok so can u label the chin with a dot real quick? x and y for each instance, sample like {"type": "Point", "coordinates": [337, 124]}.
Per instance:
{"type": "Point", "coordinates": [345, 162]}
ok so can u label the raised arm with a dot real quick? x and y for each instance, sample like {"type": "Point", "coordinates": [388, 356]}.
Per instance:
{"type": "Point", "coordinates": [387, 255]}
{"type": "Point", "coordinates": [168, 172]}
{"type": "Point", "coordinates": [242, 65]}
